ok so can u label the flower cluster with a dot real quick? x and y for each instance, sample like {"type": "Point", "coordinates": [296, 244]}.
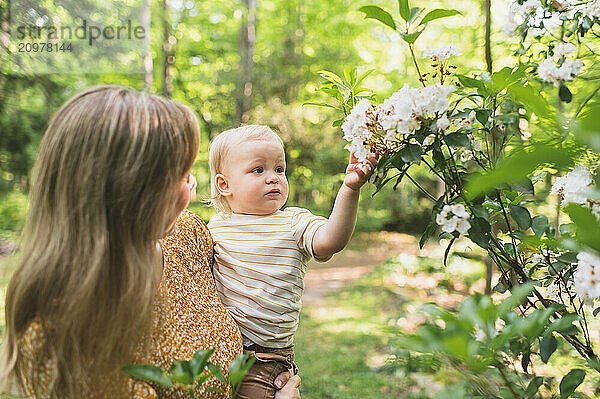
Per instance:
{"type": "Point", "coordinates": [574, 186]}
{"type": "Point", "coordinates": [383, 128]}
{"type": "Point", "coordinates": [454, 218]}
{"type": "Point", "coordinates": [356, 129]}
{"type": "Point", "coordinates": [404, 110]}
{"type": "Point", "coordinates": [398, 115]}
{"type": "Point", "coordinates": [549, 70]}
{"type": "Point", "coordinates": [587, 276]}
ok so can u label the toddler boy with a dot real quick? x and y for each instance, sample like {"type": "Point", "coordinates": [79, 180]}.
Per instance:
{"type": "Point", "coordinates": [261, 251]}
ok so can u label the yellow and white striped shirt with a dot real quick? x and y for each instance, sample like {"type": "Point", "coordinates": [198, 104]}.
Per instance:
{"type": "Point", "coordinates": [260, 262]}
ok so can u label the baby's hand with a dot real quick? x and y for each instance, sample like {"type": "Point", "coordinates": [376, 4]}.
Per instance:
{"type": "Point", "coordinates": [357, 173]}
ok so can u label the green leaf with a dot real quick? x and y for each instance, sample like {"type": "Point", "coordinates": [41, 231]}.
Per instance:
{"type": "Point", "coordinates": [431, 228]}
{"type": "Point", "coordinates": [404, 9]}
{"type": "Point", "coordinates": [479, 232]}
{"type": "Point", "coordinates": [517, 166]}
{"type": "Point", "coordinates": [457, 139]}
{"type": "Point", "coordinates": [482, 116]}
{"type": "Point", "coordinates": [533, 101]}
{"type": "Point", "coordinates": [534, 385]}
{"type": "Point", "coordinates": [570, 382]}
{"type": "Point", "coordinates": [562, 324]}
{"type": "Point", "coordinates": [518, 294]}
{"type": "Point", "coordinates": [565, 94]}
{"type": "Point", "coordinates": [411, 153]}
{"type": "Point", "coordinates": [587, 127]}
{"type": "Point", "coordinates": [470, 82]}
{"type": "Point", "coordinates": [363, 76]}
{"type": "Point", "coordinates": [525, 187]}
{"type": "Point", "coordinates": [547, 347]}
{"type": "Point", "coordinates": [199, 360]}
{"type": "Point", "coordinates": [521, 216]}
{"type": "Point", "coordinates": [500, 288]}
{"type": "Point", "coordinates": [180, 372]}
{"type": "Point", "coordinates": [338, 122]}
{"type": "Point", "coordinates": [239, 368]}
{"type": "Point", "coordinates": [148, 372]}
{"type": "Point", "coordinates": [437, 14]}
{"type": "Point", "coordinates": [319, 104]}
{"type": "Point", "coordinates": [539, 225]}
{"type": "Point", "coordinates": [216, 370]}
{"type": "Point", "coordinates": [568, 257]}
{"type": "Point", "coordinates": [378, 13]}
{"type": "Point", "coordinates": [333, 78]}
{"type": "Point", "coordinates": [586, 224]}
{"type": "Point", "coordinates": [410, 38]}
{"type": "Point", "coordinates": [414, 13]}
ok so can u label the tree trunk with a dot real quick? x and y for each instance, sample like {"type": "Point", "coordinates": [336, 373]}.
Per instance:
{"type": "Point", "coordinates": [487, 8]}
{"type": "Point", "coordinates": [246, 66]}
{"type": "Point", "coordinates": [168, 58]}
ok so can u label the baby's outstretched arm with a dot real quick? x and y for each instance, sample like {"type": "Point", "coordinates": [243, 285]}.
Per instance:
{"type": "Point", "coordinates": [333, 236]}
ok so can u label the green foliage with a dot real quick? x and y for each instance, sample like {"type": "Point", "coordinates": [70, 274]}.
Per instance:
{"type": "Point", "coordinates": [13, 210]}
{"type": "Point", "coordinates": [191, 375]}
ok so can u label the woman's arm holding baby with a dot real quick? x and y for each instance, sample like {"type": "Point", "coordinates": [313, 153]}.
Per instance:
{"type": "Point", "coordinates": [333, 236]}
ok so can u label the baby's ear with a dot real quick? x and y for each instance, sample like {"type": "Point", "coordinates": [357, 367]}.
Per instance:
{"type": "Point", "coordinates": [222, 185]}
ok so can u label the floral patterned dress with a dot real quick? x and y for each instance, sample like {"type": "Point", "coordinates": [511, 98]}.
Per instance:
{"type": "Point", "coordinates": [188, 316]}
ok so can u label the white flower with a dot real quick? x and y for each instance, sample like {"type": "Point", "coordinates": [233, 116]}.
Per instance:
{"type": "Point", "coordinates": [476, 145]}
{"type": "Point", "coordinates": [403, 111]}
{"type": "Point", "coordinates": [587, 276]}
{"type": "Point", "coordinates": [466, 155]}
{"type": "Point", "coordinates": [441, 54]}
{"type": "Point", "coordinates": [429, 140]}
{"type": "Point", "coordinates": [355, 129]}
{"type": "Point", "coordinates": [563, 49]}
{"type": "Point", "coordinates": [443, 123]}
{"type": "Point", "coordinates": [592, 10]}
{"type": "Point", "coordinates": [549, 71]}
{"type": "Point", "coordinates": [465, 123]}
{"type": "Point", "coordinates": [574, 186]}
{"type": "Point", "coordinates": [454, 218]}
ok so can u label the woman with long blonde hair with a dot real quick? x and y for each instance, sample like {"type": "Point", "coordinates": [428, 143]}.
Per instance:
{"type": "Point", "coordinates": [104, 191]}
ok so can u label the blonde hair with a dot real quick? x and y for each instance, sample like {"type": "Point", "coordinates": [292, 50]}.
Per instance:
{"type": "Point", "coordinates": [221, 149]}
{"type": "Point", "coordinates": [104, 191]}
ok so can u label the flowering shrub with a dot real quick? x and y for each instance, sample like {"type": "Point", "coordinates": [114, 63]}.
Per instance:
{"type": "Point", "coordinates": [190, 376]}
{"type": "Point", "coordinates": [491, 138]}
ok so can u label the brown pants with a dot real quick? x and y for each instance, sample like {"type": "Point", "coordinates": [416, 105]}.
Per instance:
{"type": "Point", "coordinates": [269, 363]}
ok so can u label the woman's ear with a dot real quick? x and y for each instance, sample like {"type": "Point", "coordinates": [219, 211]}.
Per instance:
{"type": "Point", "coordinates": [222, 185]}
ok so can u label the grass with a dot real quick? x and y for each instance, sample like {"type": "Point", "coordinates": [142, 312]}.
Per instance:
{"type": "Point", "coordinates": [343, 348]}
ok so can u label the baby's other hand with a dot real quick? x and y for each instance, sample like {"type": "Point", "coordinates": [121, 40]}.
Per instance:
{"type": "Point", "coordinates": [357, 173]}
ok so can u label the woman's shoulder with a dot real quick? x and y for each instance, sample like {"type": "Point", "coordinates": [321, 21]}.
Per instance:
{"type": "Point", "coordinates": [190, 225]}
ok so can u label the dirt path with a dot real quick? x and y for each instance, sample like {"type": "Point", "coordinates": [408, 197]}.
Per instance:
{"type": "Point", "coordinates": [362, 253]}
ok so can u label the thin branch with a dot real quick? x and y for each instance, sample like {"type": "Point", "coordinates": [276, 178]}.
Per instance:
{"type": "Point", "coordinates": [431, 197]}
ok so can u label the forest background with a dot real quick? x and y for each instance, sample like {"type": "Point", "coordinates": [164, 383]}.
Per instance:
{"type": "Point", "coordinates": [255, 61]}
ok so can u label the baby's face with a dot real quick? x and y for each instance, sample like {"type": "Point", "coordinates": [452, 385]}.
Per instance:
{"type": "Point", "coordinates": [256, 177]}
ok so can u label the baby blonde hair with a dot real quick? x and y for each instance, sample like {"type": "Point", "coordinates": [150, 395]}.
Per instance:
{"type": "Point", "coordinates": [221, 149]}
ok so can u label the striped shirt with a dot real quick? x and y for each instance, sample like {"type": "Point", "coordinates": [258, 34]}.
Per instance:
{"type": "Point", "coordinates": [260, 262]}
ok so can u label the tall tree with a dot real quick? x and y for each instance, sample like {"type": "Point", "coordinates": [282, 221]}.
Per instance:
{"type": "Point", "coordinates": [246, 66]}
{"type": "Point", "coordinates": [487, 9]}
